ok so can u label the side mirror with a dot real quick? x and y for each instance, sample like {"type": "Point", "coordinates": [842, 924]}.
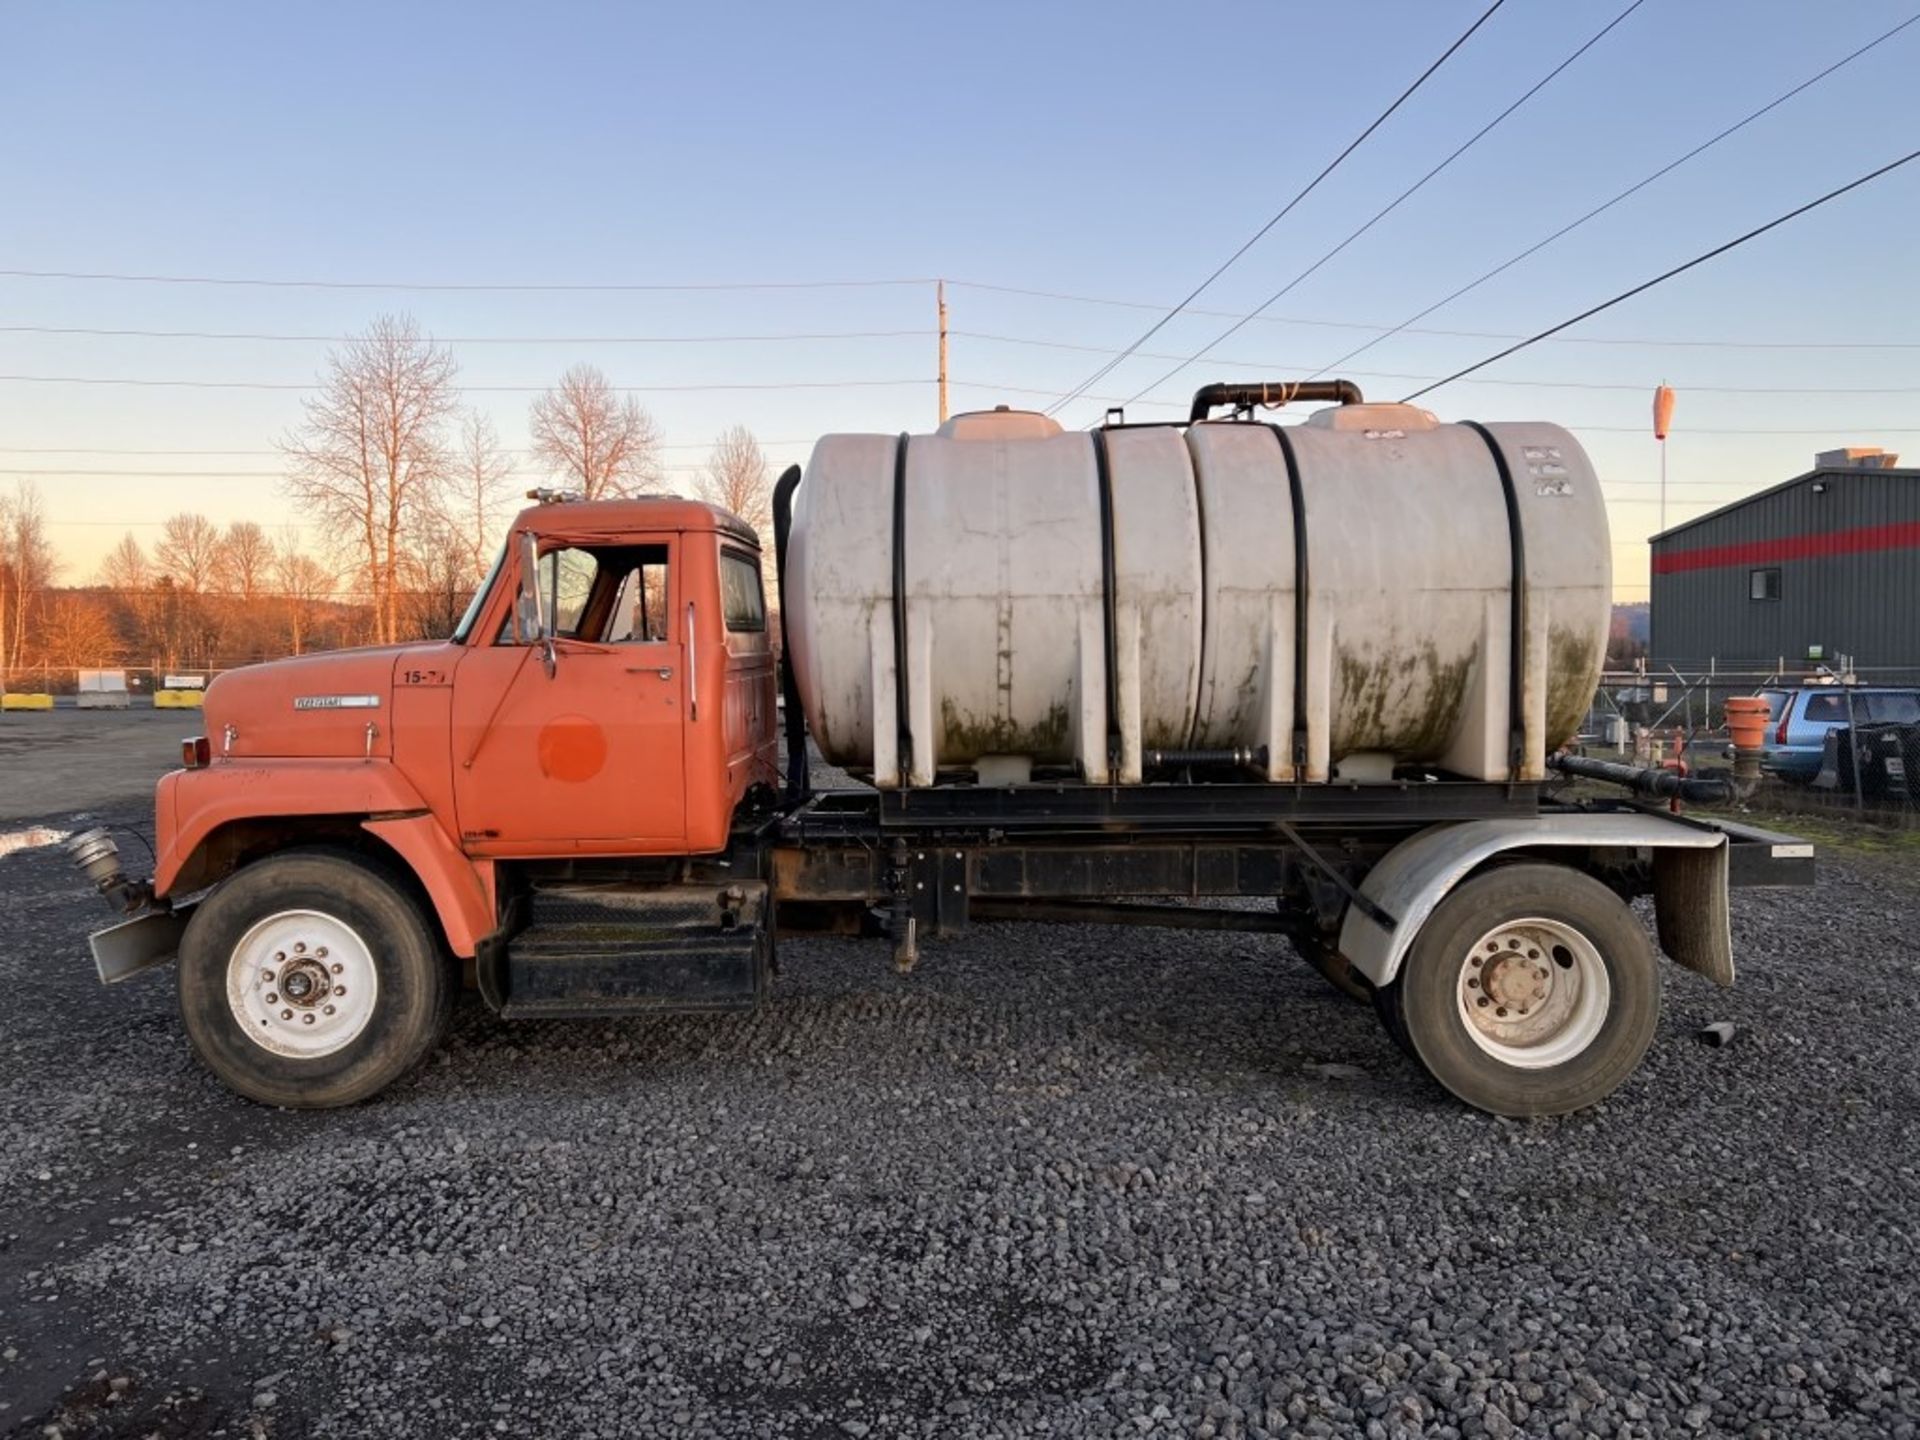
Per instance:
{"type": "Point", "coordinates": [532, 621]}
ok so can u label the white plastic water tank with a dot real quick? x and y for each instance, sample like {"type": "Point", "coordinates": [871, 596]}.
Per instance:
{"type": "Point", "coordinates": [1002, 538]}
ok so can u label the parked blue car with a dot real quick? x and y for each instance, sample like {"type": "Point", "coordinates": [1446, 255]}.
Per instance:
{"type": "Point", "coordinates": [1799, 719]}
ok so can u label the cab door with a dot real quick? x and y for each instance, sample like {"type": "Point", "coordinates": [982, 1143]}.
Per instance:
{"type": "Point", "coordinates": [585, 755]}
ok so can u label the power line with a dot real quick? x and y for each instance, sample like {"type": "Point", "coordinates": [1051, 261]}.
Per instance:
{"type": "Point", "coordinates": [1286, 209]}
{"type": "Point", "coordinates": [40, 472]}
{"type": "Point", "coordinates": [1633, 387]}
{"type": "Point", "coordinates": [1641, 429]}
{"type": "Point", "coordinates": [920, 334]}
{"type": "Point", "coordinates": [1633, 189]}
{"type": "Point", "coordinates": [924, 333]}
{"type": "Point", "coordinates": [464, 389]}
{"type": "Point", "coordinates": [531, 287]}
{"type": "Point", "coordinates": [1282, 367]}
{"type": "Point", "coordinates": [505, 450]}
{"type": "Point", "coordinates": [1412, 330]}
{"type": "Point", "coordinates": [1646, 285]}
{"type": "Point", "coordinates": [1403, 196]}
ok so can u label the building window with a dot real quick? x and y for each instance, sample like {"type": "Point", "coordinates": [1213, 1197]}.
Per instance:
{"type": "Point", "coordinates": [1763, 584]}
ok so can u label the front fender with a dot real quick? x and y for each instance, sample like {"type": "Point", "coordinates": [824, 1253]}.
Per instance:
{"type": "Point", "coordinates": [194, 808]}
{"type": "Point", "coordinates": [1689, 879]}
{"type": "Point", "coordinates": [192, 805]}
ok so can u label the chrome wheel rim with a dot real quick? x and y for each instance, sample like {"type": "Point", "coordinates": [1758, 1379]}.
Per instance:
{"type": "Point", "coordinates": [1533, 993]}
{"type": "Point", "coordinates": [302, 984]}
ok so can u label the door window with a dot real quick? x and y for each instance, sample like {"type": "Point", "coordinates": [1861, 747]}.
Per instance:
{"type": "Point", "coordinates": [1825, 709]}
{"type": "Point", "coordinates": [566, 585]}
{"type": "Point", "coordinates": [1898, 707]}
{"type": "Point", "coordinates": [742, 601]}
{"type": "Point", "coordinates": [639, 612]}
{"type": "Point", "coordinates": [616, 595]}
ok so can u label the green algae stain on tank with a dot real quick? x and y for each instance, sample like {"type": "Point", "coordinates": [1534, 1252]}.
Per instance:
{"type": "Point", "coordinates": [964, 737]}
{"type": "Point", "coordinates": [1406, 705]}
{"type": "Point", "coordinates": [1573, 673]}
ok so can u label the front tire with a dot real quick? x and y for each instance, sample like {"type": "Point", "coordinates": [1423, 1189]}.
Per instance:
{"type": "Point", "coordinates": [1531, 990]}
{"type": "Point", "coordinates": [311, 979]}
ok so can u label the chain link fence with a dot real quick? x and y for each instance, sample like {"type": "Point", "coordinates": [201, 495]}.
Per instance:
{"type": "Point", "coordinates": [1851, 743]}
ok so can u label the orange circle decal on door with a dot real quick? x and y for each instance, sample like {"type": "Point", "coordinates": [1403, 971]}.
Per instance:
{"type": "Point", "coordinates": [572, 747]}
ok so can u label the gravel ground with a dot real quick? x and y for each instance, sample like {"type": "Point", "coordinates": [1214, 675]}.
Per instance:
{"type": "Point", "coordinates": [1060, 1181]}
{"type": "Point", "coordinates": [69, 759]}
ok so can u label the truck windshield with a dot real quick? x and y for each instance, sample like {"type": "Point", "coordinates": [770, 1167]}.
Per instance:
{"type": "Point", "coordinates": [461, 630]}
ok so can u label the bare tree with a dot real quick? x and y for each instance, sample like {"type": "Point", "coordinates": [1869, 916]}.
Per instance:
{"type": "Point", "coordinates": [126, 570]}
{"type": "Point", "coordinates": [129, 576]}
{"type": "Point", "coordinates": [477, 491]}
{"type": "Point", "coordinates": [371, 458]}
{"type": "Point", "coordinates": [244, 561]}
{"type": "Point", "coordinates": [77, 632]}
{"type": "Point", "coordinates": [735, 477]}
{"type": "Point", "coordinates": [593, 439]}
{"type": "Point", "coordinates": [439, 580]}
{"type": "Point", "coordinates": [27, 570]}
{"type": "Point", "coordinates": [304, 585]}
{"type": "Point", "coordinates": [188, 551]}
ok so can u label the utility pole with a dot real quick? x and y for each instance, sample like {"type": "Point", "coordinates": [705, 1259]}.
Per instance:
{"type": "Point", "coordinates": [940, 299]}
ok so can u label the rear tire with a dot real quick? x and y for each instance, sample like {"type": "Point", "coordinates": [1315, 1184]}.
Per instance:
{"type": "Point", "coordinates": [1530, 990]}
{"type": "Point", "coordinates": [312, 979]}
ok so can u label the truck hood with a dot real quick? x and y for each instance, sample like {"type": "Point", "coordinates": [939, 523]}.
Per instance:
{"type": "Point", "coordinates": [315, 705]}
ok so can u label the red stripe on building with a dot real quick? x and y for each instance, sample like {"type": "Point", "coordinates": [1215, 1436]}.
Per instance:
{"type": "Point", "coordinates": [1857, 541]}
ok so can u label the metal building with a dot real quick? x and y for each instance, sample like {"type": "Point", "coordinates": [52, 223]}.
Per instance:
{"type": "Point", "coordinates": [1823, 566]}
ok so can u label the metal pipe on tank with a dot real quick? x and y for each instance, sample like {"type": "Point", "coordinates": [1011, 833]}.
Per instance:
{"type": "Point", "coordinates": [1241, 395]}
{"type": "Point", "coordinates": [798, 776]}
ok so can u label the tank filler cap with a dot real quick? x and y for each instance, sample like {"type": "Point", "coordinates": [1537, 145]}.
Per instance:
{"type": "Point", "coordinates": [1374, 418]}
{"type": "Point", "coordinates": [1000, 423]}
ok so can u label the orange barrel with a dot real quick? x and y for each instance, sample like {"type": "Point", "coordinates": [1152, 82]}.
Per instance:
{"type": "Point", "coordinates": [1747, 719]}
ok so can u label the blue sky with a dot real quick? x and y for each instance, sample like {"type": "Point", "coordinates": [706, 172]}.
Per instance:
{"type": "Point", "coordinates": [1117, 151]}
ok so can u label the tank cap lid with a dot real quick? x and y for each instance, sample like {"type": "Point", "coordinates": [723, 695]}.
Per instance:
{"type": "Point", "coordinates": [1374, 417]}
{"type": "Point", "coordinates": [1000, 423]}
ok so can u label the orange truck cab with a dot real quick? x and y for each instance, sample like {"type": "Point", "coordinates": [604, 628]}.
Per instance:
{"type": "Point", "coordinates": [608, 698]}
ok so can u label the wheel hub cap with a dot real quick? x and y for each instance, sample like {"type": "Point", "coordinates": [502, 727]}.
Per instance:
{"type": "Point", "coordinates": [1533, 993]}
{"type": "Point", "coordinates": [302, 984]}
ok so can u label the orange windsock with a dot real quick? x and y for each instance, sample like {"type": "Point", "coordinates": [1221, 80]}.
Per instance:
{"type": "Point", "coordinates": [1662, 411]}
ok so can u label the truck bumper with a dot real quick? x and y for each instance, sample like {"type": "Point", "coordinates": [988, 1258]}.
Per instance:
{"type": "Point", "coordinates": [124, 950]}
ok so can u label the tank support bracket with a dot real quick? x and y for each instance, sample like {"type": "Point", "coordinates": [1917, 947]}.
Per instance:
{"type": "Point", "coordinates": [1362, 902]}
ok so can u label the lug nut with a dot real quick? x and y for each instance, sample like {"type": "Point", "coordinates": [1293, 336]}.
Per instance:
{"type": "Point", "coordinates": [1481, 1002]}
{"type": "Point", "coordinates": [322, 952]}
{"type": "Point", "coordinates": [279, 957]}
{"type": "Point", "coordinates": [338, 968]}
{"type": "Point", "coordinates": [339, 989]}
{"type": "Point", "coordinates": [329, 1010]}
{"type": "Point", "coordinates": [286, 1014]}
{"type": "Point", "coordinates": [267, 976]}
{"type": "Point", "coordinates": [1501, 1012]}
{"type": "Point", "coordinates": [299, 947]}
{"type": "Point", "coordinates": [307, 1019]}
{"type": "Point", "coordinates": [272, 999]}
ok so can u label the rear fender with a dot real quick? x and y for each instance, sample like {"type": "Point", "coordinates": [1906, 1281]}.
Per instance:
{"type": "Point", "coordinates": [1689, 883]}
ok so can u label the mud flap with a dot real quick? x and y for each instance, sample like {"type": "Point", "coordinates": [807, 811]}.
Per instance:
{"type": "Point", "coordinates": [1691, 910]}
{"type": "Point", "coordinates": [122, 951]}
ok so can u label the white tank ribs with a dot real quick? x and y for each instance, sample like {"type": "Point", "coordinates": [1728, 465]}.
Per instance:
{"type": "Point", "coordinates": [1003, 596]}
